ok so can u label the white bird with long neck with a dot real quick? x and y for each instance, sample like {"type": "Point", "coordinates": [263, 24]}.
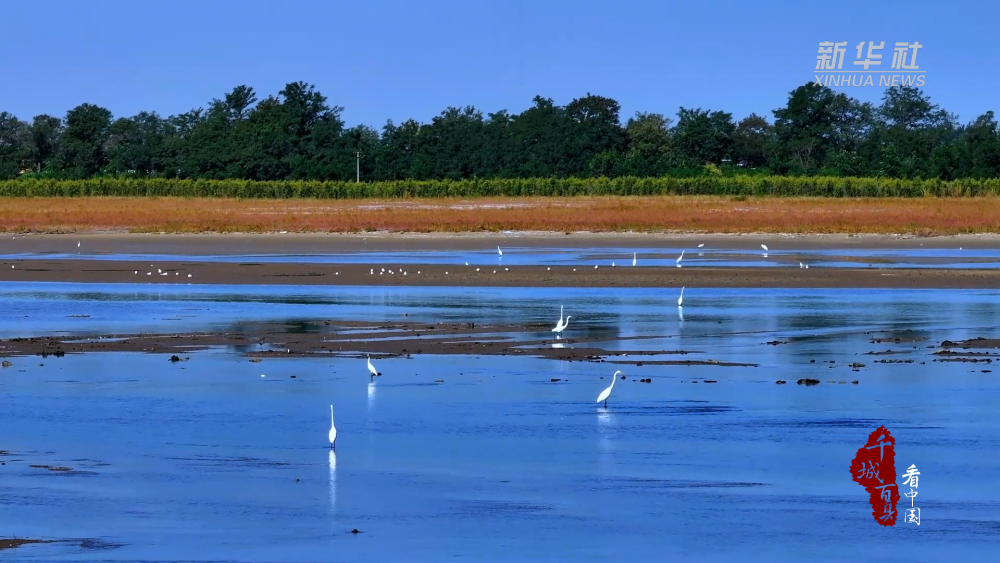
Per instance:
{"type": "Point", "coordinates": [333, 431]}
{"type": "Point", "coordinates": [562, 325]}
{"type": "Point", "coordinates": [679, 258]}
{"type": "Point", "coordinates": [500, 252]}
{"type": "Point", "coordinates": [372, 369]}
{"type": "Point", "coordinates": [680, 300]}
{"type": "Point", "coordinates": [603, 397]}
{"type": "Point", "coordinates": [633, 259]}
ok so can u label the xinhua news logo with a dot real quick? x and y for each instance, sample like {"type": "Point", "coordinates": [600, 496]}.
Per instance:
{"type": "Point", "coordinates": [867, 69]}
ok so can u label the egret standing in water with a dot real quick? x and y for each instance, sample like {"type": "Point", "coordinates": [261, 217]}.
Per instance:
{"type": "Point", "coordinates": [679, 258]}
{"type": "Point", "coordinates": [372, 369]}
{"type": "Point", "coordinates": [603, 397]}
{"type": "Point", "coordinates": [500, 252]}
{"type": "Point", "coordinates": [764, 246]}
{"type": "Point", "coordinates": [680, 300]}
{"type": "Point", "coordinates": [333, 431]}
{"type": "Point", "coordinates": [633, 259]}
{"type": "Point", "coordinates": [562, 325]}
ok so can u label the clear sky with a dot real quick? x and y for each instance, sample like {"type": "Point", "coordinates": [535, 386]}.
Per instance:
{"type": "Point", "coordinates": [383, 59]}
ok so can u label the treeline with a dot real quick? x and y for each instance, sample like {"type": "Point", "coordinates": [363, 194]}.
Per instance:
{"type": "Point", "coordinates": [717, 184]}
{"type": "Point", "coordinates": [298, 135]}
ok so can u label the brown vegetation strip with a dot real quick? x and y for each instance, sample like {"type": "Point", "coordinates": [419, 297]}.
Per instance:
{"type": "Point", "coordinates": [13, 543]}
{"type": "Point", "coordinates": [107, 271]}
{"type": "Point", "coordinates": [716, 214]}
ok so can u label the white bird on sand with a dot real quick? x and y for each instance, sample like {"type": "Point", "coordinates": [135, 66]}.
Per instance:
{"type": "Point", "coordinates": [562, 325]}
{"type": "Point", "coordinates": [603, 397]}
{"type": "Point", "coordinates": [595, 266]}
{"type": "Point", "coordinates": [801, 265]}
{"type": "Point", "coordinates": [680, 300]}
{"type": "Point", "coordinates": [633, 258]}
{"type": "Point", "coordinates": [701, 245]}
{"type": "Point", "coordinates": [612, 264]}
{"type": "Point", "coordinates": [333, 431]}
{"type": "Point", "coordinates": [500, 252]}
{"type": "Point", "coordinates": [764, 246]}
{"type": "Point", "coordinates": [78, 244]}
{"type": "Point", "coordinates": [372, 369]}
{"type": "Point", "coordinates": [679, 258]}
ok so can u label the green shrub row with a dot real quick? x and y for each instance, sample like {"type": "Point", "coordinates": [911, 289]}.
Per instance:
{"type": "Point", "coordinates": [721, 185]}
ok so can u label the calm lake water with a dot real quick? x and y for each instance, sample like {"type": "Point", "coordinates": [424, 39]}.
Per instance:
{"type": "Point", "coordinates": [205, 460]}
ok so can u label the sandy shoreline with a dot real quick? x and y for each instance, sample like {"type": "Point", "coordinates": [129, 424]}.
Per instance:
{"type": "Point", "coordinates": [426, 275]}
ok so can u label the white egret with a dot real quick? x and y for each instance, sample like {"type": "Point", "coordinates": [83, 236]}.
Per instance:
{"type": "Point", "coordinates": [679, 258]}
{"type": "Point", "coordinates": [595, 266]}
{"type": "Point", "coordinates": [372, 369]}
{"type": "Point", "coordinates": [189, 275]}
{"type": "Point", "coordinates": [562, 325]}
{"type": "Point", "coordinates": [633, 258]}
{"type": "Point", "coordinates": [603, 397]}
{"type": "Point", "coordinates": [801, 265]}
{"type": "Point", "coordinates": [701, 245]}
{"type": "Point", "coordinates": [500, 252]}
{"type": "Point", "coordinates": [764, 246]}
{"type": "Point", "coordinates": [78, 244]}
{"type": "Point", "coordinates": [333, 431]}
{"type": "Point", "coordinates": [612, 264]}
{"type": "Point", "coordinates": [680, 300]}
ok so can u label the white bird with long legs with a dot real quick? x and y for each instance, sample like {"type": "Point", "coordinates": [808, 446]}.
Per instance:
{"type": "Point", "coordinates": [603, 397]}
{"type": "Point", "coordinates": [679, 258]}
{"type": "Point", "coordinates": [680, 300]}
{"type": "Point", "coordinates": [372, 369]}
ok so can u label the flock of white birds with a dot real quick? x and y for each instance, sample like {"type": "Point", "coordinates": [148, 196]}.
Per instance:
{"type": "Point", "coordinates": [561, 325]}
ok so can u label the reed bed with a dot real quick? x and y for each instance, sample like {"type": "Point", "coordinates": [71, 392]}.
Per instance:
{"type": "Point", "coordinates": [923, 216]}
{"type": "Point", "coordinates": [749, 186]}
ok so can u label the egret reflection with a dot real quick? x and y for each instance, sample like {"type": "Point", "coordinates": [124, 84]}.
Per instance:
{"type": "Point", "coordinates": [680, 313]}
{"type": "Point", "coordinates": [333, 481]}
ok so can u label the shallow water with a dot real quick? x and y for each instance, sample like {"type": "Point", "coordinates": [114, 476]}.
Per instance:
{"type": "Point", "coordinates": [198, 460]}
{"type": "Point", "coordinates": [604, 257]}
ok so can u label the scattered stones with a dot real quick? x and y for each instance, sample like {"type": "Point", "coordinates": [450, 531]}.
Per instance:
{"type": "Point", "coordinates": [807, 381]}
{"type": "Point", "coordinates": [776, 342]}
{"type": "Point", "coordinates": [710, 381]}
{"type": "Point", "coordinates": [856, 365]}
{"type": "Point", "coordinates": [647, 380]}
{"type": "Point", "coordinates": [555, 379]}
{"type": "Point", "coordinates": [254, 360]}
{"type": "Point", "coordinates": [855, 382]}
{"type": "Point", "coordinates": [781, 382]}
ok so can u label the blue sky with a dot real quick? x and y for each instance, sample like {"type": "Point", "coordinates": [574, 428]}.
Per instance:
{"type": "Point", "coordinates": [383, 59]}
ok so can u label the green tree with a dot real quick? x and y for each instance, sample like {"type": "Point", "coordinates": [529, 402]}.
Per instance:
{"type": "Point", "coordinates": [83, 144]}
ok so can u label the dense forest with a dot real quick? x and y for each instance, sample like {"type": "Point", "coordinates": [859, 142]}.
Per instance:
{"type": "Point", "coordinates": [298, 135]}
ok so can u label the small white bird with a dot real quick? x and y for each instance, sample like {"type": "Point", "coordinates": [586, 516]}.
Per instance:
{"type": "Point", "coordinates": [612, 264]}
{"type": "Point", "coordinates": [807, 266]}
{"type": "Point", "coordinates": [801, 265]}
{"type": "Point", "coordinates": [371, 369]}
{"type": "Point", "coordinates": [78, 244]}
{"type": "Point", "coordinates": [333, 431]}
{"type": "Point", "coordinates": [149, 273]}
{"type": "Point", "coordinates": [701, 245]}
{"type": "Point", "coordinates": [595, 266]}
{"type": "Point", "coordinates": [505, 269]}
{"type": "Point", "coordinates": [633, 258]}
{"type": "Point", "coordinates": [189, 275]}
{"type": "Point", "coordinates": [499, 251]}
{"type": "Point", "coordinates": [680, 300]}
{"type": "Point", "coordinates": [159, 271]}
{"type": "Point", "coordinates": [764, 246]}
{"type": "Point", "coordinates": [477, 269]}
{"type": "Point", "coordinates": [466, 263]}
{"type": "Point", "coordinates": [603, 397]}
{"type": "Point", "coordinates": [549, 269]}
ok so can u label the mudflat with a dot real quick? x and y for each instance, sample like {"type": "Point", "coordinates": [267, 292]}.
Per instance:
{"type": "Point", "coordinates": [89, 267]}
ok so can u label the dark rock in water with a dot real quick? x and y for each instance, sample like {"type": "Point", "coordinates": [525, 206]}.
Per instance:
{"type": "Point", "coordinates": [776, 342]}
{"type": "Point", "coordinates": [355, 531]}
{"type": "Point", "coordinates": [781, 382]}
{"type": "Point", "coordinates": [857, 365]}
{"type": "Point", "coordinates": [812, 361]}
{"type": "Point", "coordinates": [293, 377]}
{"type": "Point", "coordinates": [174, 358]}
{"type": "Point", "coordinates": [554, 379]}
{"type": "Point", "coordinates": [710, 381]}
{"type": "Point", "coordinates": [6, 364]}
{"type": "Point", "coordinates": [807, 381]}
{"type": "Point", "coordinates": [855, 382]}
